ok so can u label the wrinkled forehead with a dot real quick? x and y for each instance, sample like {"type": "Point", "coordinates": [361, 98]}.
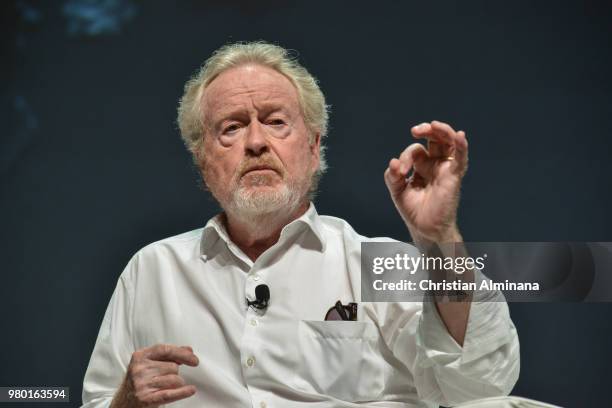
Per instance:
{"type": "Point", "coordinates": [248, 87]}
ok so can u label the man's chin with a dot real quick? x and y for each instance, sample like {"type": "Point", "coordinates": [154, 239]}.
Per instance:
{"type": "Point", "coordinates": [263, 200]}
{"type": "Point", "coordinates": [256, 190]}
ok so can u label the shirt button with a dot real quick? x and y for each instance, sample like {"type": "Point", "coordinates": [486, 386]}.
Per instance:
{"type": "Point", "coordinates": [262, 404]}
{"type": "Point", "coordinates": [253, 322]}
{"type": "Point", "coordinates": [256, 277]}
{"type": "Point", "coordinates": [251, 361]}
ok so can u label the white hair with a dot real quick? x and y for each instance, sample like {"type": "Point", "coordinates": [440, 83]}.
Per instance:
{"type": "Point", "coordinates": [191, 117]}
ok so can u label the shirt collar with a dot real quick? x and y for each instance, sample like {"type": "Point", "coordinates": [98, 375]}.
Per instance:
{"type": "Point", "coordinates": [215, 229]}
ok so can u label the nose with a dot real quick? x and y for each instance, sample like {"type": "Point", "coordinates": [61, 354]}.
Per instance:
{"type": "Point", "coordinates": [256, 139]}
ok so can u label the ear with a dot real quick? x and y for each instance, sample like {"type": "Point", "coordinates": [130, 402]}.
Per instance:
{"type": "Point", "coordinates": [315, 150]}
{"type": "Point", "coordinates": [198, 153]}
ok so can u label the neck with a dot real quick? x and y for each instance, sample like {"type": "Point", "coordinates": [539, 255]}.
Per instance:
{"type": "Point", "coordinates": [254, 235]}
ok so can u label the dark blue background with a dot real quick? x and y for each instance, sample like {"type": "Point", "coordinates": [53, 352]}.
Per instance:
{"type": "Point", "coordinates": [92, 167]}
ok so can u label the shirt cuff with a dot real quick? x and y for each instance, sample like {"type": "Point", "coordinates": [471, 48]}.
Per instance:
{"type": "Point", "coordinates": [489, 327]}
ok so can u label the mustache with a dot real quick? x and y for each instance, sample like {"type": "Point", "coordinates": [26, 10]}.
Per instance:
{"type": "Point", "coordinates": [260, 163]}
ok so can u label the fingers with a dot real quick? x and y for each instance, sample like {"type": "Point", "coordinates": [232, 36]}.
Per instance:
{"type": "Point", "coordinates": [395, 175]}
{"type": "Point", "coordinates": [461, 152]}
{"type": "Point", "coordinates": [394, 180]}
{"type": "Point", "coordinates": [167, 396]}
{"type": "Point", "coordinates": [168, 352]}
{"type": "Point", "coordinates": [444, 142]}
{"type": "Point", "coordinates": [164, 367]}
{"type": "Point", "coordinates": [143, 374]}
{"type": "Point", "coordinates": [439, 132]}
{"type": "Point", "coordinates": [420, 158]}
{"type": "Point", "coordinates": [167, 381]}
{"type": "Point", "coordinates": [411, 155]}
{"type": "Point", "coordinates": [154, 374]}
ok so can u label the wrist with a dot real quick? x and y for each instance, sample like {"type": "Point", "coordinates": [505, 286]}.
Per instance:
{"type": "Point", "coordinates": [124, 396]}
{"type": "Point", "coordinates": [450, 235]}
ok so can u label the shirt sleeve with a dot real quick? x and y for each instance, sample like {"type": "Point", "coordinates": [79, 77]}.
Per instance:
{"type": "Point", "coordinates": [113, 348]}
{"type": "Point", "coordinates": [487, 365]}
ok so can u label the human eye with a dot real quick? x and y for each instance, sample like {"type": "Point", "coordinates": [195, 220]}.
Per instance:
{"type": "Point", "coordinates": [230, 129]}
{"type": "Point", "coordinates": [276, 122]}
{"type": "Point", "coordinates": [278, 126]}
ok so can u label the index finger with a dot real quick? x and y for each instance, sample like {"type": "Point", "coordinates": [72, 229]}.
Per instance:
{"type": "Point", "coordinates": [435, 131]}
{"type": "Point", "coordinates": [169, 352]}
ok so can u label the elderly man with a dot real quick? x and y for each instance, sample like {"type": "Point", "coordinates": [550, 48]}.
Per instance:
{"type": "Point", "coordinates": [188, 324]}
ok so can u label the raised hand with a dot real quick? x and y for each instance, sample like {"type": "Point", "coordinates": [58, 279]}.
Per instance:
{"type": "Point", "coordinates": [424, 182]}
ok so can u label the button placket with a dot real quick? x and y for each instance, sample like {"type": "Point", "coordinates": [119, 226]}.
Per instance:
{"type": "Point", "coordinates": [254, 278]}
{"type": "Point", "coordinates": [249, 352]}
{"type": "Point", "coordinates": [249, 361]}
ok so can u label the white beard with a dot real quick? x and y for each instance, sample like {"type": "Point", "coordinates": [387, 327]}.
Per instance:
{"type": "Point", "coordinates": [264, 211]}
{"type": "Point", "coordinates": [254, 203]}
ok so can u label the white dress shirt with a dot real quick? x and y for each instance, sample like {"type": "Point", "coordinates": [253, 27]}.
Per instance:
{"type": "Point", "coordinates": [191, 289]}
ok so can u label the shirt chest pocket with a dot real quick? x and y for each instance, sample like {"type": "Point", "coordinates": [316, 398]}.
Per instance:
{"type": "Point", "coordinates": [340, 359]}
